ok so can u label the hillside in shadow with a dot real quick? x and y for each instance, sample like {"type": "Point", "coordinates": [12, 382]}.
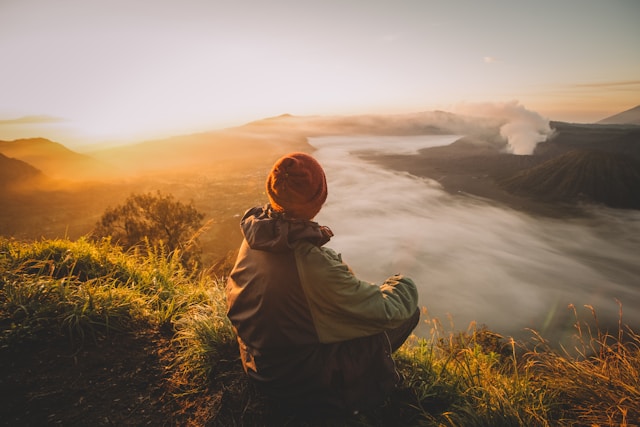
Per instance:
{"type": "Point", "coordinates": [603, 177]}
{"type": "Point", "coordinates": [16, 173]}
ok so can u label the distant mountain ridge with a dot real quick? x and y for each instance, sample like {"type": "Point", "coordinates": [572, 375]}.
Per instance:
{"type": "Point", "coordinates": [53, 159]}
{"type": "Point", "coordinates": [259, 143]}
{"type": "Point", "coordinates": [628, 117]}
{"type": "Point", "coordinates": [595, 162]}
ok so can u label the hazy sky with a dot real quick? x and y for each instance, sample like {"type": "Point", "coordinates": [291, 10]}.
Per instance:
{"type": "Point", "coordinates": [108, 69]}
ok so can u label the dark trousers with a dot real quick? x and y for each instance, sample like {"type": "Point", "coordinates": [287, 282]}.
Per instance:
{"type": "Point", "coordinates": [400, 334]}
{"type": "Point", "coordinates": [336, 377]}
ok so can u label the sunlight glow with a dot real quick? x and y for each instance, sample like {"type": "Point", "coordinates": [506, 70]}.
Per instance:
{"type": "Point", "coordinates": [123, 70]}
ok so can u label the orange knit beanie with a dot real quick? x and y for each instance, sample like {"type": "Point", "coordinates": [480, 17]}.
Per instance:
{"type": "Point", "coordinates": [297, 186]}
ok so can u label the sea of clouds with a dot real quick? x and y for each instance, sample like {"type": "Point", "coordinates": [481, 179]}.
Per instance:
{"type": "Point", "coordinates": [473, 260]}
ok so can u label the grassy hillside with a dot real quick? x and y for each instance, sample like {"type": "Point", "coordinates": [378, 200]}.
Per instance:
{"type": "Point", "coordinates": [90, 335]}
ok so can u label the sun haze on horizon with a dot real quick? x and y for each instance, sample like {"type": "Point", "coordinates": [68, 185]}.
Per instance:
{"type": "Point", "coordinates": [86, 72]}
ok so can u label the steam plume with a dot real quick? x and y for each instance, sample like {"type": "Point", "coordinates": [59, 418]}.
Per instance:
{"type": "Point", "coordinates": [523, 129]}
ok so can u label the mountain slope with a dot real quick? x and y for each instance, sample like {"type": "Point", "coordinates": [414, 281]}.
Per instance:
{"type": "Point", "coordinates": [628, 117]}
{"type": "Point", "coordinates": [54, 159]}
{"type": "Point", "coordinates": [15, 172]}
{"type": "Point", "coordinates": [224, 151]}
{"type": "Point", "coordinates": [260, 143]}
{"type": "Point", "coordinates": [595, 176]}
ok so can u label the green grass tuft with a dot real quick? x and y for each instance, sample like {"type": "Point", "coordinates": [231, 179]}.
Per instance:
{"type": "Point", "coordinates": [80, 290]}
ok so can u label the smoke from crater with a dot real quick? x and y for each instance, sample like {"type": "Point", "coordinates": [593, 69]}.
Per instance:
{"type": "Point", "coordinates": [521, 128]}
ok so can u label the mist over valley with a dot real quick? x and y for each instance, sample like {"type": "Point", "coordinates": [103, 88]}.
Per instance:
{"type": "Point", "coordinates": [476, 259]}
{"type": "Point", "coordinates": [501, 217]}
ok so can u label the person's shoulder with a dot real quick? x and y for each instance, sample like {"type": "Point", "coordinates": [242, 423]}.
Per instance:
{"type": "Point", "coordinates": [309, 250]}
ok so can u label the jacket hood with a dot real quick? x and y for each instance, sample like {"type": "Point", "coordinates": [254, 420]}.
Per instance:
{"type": "Point", "coordinates": [268, 230]}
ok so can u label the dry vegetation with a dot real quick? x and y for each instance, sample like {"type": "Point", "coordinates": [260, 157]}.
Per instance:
{"type": "Point", "coordinates": [90, 335]}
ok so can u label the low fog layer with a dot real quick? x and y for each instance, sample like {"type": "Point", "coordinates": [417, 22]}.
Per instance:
{"type": "Point", "coordinates": [473, 260]}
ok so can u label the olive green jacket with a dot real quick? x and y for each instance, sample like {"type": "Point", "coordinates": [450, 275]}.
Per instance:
{"type": "Point", "coordinates": [344, 307]}
{"type": "Point", "coordinates": [309, 331]}
{"type": "Point", "coordinates": [286, 289]}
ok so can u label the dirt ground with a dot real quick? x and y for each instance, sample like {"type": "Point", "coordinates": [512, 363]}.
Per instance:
{"type": "Point", "coordinates": [117, 381]}
{"type": "Point", "coordinates": [125, 380]}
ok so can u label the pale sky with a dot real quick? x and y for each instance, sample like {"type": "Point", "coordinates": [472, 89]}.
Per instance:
{"type": "Point", "coordinates": [102, 70]}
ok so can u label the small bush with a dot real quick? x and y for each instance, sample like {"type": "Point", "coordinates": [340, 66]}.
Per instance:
{"type": "Point", "coordinates": [154, 221]}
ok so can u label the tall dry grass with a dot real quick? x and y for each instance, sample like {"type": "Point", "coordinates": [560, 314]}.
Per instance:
{"type": "Point", "coordinates": [595, 383]}
{"type": "Point", "coordinates": [83, 290]}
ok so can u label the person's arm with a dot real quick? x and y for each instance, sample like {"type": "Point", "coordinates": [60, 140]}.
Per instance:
{"type": "Point", "coordinates": [344, 307]}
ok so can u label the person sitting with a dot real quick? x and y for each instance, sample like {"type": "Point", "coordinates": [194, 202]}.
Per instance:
{"type": "Point", "coordinates": [312, 335]}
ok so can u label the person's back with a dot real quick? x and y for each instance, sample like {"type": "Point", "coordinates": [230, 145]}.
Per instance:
{"type": "Point", "coordinates": [310, 333]}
